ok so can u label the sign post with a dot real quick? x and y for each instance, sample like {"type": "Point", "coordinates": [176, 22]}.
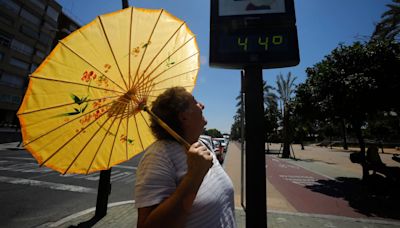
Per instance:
{"type": "Point", "coordinates": [253, 35]}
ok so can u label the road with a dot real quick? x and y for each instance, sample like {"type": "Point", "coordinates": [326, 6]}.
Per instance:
{"type": "Point", "coordinates": [32, 196]}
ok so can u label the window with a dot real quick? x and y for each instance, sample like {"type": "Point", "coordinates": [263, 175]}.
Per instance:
{"type": "Point", "coordinates": [19, 63]}
{"type": "Point", "coordinates": [40, 54]}
{"type": "Point", "coordinates": [7, 98]}
{"type": "Point", "coordinates": [21, 47]}
{"type": "Point", "coordinates": [5, 40]}
{"type": "Point", "coordinates": [6, 19]}
{"type": "Point", "coordinates": [11, 80]}
{"type": "Point", "coordinates": [29, 32]}
{"type": "Point", "coordinates": [52, 13]}
{"type": "Point", "coordinates": [30, 17]}
{"type": "Point", "coordinates": [49, 27]}
{"type": "Point", "coordinates": [10, 5]}
{"type": "Point", "coordinates": [72, 27]}
{"type": "Point", "coordinates": [39, 4]}
{"type": "Point", "coordinates": [33, 67]}
{"type": "Point", "coordinates": [45, 39]}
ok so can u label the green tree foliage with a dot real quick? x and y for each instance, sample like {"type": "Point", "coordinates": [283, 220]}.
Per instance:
{"type": "Point", "coordinates": [214, 133]}
{"type": "Point", "coordinates": [271, 113]}
{"type": "Point", "coordinates": [352, 83]}
{"type": "Point", "coordinates": [389, 27]}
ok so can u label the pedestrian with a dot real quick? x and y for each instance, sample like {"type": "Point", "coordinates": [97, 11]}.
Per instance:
{"type": "Point", "coordinates": [176, 187]}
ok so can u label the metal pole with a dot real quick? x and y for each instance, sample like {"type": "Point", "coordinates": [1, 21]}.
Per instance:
{"type": "Point", "coordinates": [256, 210]}
{"type": "Point", "coordinates": [125, 4]}
{"type": "Point", "coordinates": [103, 192]}
{"type": "Point", "coordinates": [242, 130]}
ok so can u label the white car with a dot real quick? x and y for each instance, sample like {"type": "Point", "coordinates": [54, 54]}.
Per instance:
{"type": "Point", "coordinates": [209, 141]}
{"type": "Point", "coordinates": [222, 141]}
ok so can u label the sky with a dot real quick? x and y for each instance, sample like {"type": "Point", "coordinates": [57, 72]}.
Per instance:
{"type": "Point", "coordinates": [321, 25]}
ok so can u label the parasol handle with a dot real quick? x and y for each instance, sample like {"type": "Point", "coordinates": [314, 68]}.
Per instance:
{"type": "Point", "coordinates": [167, 128]}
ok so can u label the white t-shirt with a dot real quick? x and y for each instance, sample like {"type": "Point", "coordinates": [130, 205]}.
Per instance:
{"type": "Point", "coordinates": [159, 173]}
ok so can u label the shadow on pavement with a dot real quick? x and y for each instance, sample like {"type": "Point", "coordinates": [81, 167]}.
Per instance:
{"type": "Point", "coordinates": [270, 151]}
{"type": "Point", "coordinates": [314, 160]}
{"type": "Point", "coordinates": [377, 198]}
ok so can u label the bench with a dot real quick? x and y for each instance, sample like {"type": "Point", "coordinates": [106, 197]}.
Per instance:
{"type": "Point", "coordinates": [371, 161]}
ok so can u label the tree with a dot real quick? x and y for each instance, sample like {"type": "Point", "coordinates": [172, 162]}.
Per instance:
{"type": "Point", "coordinates": [214, 133]}
{"type": "Point", "coordinates": [285, 91]}
{"type": "Point", "coordinates": [389, 27]}
{"type": "Point", "coordinates": [354, 82]}
{"type": "Point", "coordinates": [271, 113]}
{"type": "Point", "coordinates": [236, 128]}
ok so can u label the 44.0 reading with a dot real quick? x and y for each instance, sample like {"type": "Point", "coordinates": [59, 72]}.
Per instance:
{"type": "Point", "coordinates": [263, 42]}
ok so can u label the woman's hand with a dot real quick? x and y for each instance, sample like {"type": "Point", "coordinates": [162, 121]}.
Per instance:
{"type": "Point", "coordinates": [199, 160]}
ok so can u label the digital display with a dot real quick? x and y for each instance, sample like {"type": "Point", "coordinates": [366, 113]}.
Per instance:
{"type": "Point", "coordinates": [253, 43]}
{"type": "Point", "coordinates": [261, 33]}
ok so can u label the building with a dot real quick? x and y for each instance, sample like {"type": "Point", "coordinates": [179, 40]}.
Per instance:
{"type": "Point", "coordinates": [29, 29]}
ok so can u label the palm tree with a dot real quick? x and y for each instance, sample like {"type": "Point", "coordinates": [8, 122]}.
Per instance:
{"type": "Point", "coordinates": [270, 111]}
{"type": "Point", "coordinates": [389, 27]}
{"type": "Point", "coordinates": [285, 91]}
{"type": "Point", "coordinates": [237, 126]}
{"type": "Point", "coordinates": [269, 96]}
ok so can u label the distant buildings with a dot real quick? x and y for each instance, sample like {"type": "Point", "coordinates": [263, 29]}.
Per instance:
{"type": "Point", "coordinates": [29, 29]}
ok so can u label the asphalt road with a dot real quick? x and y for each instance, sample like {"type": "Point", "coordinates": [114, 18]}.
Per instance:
{"type": "Point", "coordinates": [31, 196]}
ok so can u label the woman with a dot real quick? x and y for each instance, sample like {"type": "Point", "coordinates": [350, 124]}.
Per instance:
{"type": "Point", "coordinates": [176, 187]}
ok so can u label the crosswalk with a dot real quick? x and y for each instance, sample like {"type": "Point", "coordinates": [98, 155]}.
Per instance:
{"type": "Point", "coordinates": [120, 173]}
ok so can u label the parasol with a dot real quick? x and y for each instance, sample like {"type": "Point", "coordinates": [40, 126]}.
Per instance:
{"type": "Point", "coordinates": [83, 110]}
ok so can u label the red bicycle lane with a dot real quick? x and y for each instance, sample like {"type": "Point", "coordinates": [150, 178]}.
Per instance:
{"type": "Point", "coordinates": [292, 180]}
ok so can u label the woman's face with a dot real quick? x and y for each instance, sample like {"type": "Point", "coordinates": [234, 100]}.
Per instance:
{"type": "Point", "coordinates": [192, 119]}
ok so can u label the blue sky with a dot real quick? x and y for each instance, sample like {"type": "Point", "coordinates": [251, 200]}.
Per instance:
{"type": "Point", "coordinates": [321, 26]}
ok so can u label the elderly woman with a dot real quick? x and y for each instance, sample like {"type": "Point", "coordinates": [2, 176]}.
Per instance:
{"type": "Point", "coordinates": [176, 187]}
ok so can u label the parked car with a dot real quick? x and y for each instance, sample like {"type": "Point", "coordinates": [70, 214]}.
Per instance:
{"type": "Point", "coordinates": [222, 142]}
{"type": "Point", "coordinates": [215, 149]}
{"type": "Point", "coordinates": [218, 146]}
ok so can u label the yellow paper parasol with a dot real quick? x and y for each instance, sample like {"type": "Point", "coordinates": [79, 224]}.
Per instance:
{"type": "Point", "coordinates": [83, 108]}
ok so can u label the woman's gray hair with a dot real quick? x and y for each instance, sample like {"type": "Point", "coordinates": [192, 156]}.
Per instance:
{"type": "Point", "coordinates": [167, 107]}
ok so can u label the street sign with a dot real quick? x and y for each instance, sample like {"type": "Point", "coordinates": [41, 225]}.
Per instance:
{"type": "Point", "coordinates": [253, 33]}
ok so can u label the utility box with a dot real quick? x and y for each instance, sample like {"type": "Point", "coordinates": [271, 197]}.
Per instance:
{"type": "Point", "coordinates": [247, 33]}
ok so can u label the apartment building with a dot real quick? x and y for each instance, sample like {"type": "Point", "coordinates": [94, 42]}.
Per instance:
{"type": "Point", "coordinates": [29, 29]}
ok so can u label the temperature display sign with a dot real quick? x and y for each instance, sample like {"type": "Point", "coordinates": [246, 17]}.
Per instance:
{"type": "Point", "coordinates": [265, 37]}
{"type": "Point", "coordinates": [253, 43]}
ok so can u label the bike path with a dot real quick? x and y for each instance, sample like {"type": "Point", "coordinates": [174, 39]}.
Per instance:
{"type": "Point", "coordinates": [300, 188]}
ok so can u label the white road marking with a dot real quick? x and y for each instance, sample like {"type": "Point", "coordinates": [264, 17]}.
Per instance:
{"type": "Point", "coordinates": [50, 185]}
{"type": "Point", "coordinates": [87, 211]}
{"type": "Point", "coordinates": [19, 158]}
{"type": "Point", "coordinates": [301, 180]}
{"type": "Point", "coordinates": [117, 166]}
{"type": "Point", "coordinates": [14, 165]}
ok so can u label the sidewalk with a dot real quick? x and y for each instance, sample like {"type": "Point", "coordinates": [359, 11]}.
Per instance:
{"type": "Point", "coordinates": [280, 213]}
{"type": "Point", "coordinates": [125, 215]}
